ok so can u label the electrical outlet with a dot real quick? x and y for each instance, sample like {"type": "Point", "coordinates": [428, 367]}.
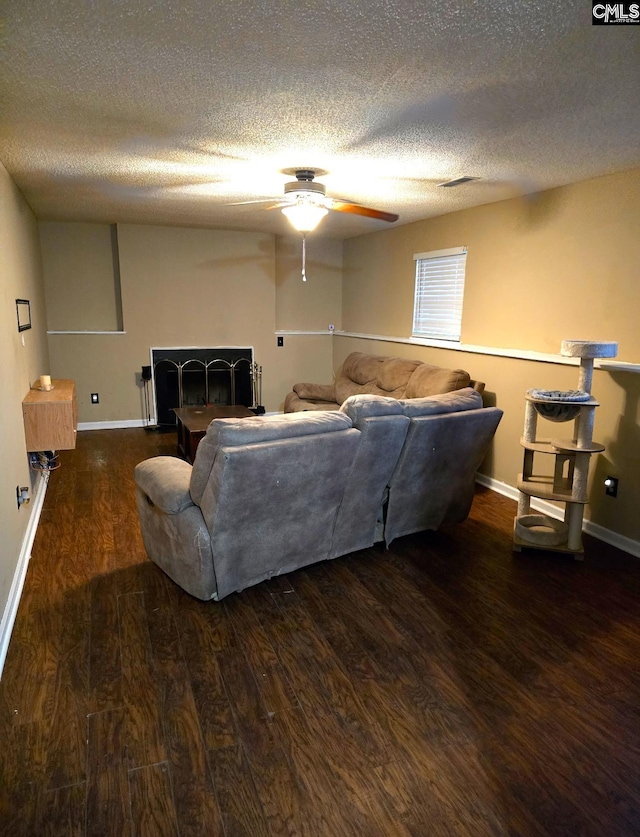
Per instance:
{"type": "Point", "coordinates": [611, 486]}
{"type": "Point", "coordinates": [95, 398]}
{"type": "Point", "coordinates": [280, 340]}
{"type": "Point", "coordinates": [22, 494]}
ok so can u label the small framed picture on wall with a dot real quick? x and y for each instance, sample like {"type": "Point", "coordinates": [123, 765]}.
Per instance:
{"type": "Point", "coordinates": [23, 309]}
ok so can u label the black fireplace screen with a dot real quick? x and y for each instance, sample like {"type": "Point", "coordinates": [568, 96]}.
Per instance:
{"type": "Point", "coordinates": [197, 377]}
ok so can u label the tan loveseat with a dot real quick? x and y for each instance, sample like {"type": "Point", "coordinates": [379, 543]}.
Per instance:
{"type": "Point", "coordinates": [390, 377]}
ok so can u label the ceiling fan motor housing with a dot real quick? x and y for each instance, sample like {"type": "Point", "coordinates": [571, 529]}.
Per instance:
{"type": "Point", "coordinates": [304, 187]}
{"type": "Point", "coordinates": [304, 192]}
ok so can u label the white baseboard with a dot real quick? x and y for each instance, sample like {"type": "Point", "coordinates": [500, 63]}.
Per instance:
{"type": "Point", "coordinates": [606, 535]}
{"type": "Point", "coordinates": [11, 608]}
{"type": "Point", "coordinates": [111, 425]}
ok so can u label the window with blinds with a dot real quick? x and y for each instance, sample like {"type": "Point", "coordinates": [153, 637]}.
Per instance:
{"type": "Point", "coordinates": [437, 309]}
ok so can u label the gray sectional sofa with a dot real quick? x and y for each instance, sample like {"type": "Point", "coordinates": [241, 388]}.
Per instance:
{"type": "Point", "coordinates": [389, 377]}
{"type": "Point", "coordinates": [268, 495]}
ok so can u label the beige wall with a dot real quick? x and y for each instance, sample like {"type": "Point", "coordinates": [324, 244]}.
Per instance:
{"type": "Point", "coordinates": [535, 267]}
{"type": "Point", "coordinates": [317, 303]}
{"type": "Point", "coordinates": [191, 287]}
{"type": "Point", "coordinates": [80, 277]}
{"type": "Point", "coordinates": [562, 266]}
{"type": "Point", "coordinates": [24, 358]}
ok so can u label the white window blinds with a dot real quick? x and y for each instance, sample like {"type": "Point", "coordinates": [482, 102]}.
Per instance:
{"type": "Point", "coordinates": [437, 310]}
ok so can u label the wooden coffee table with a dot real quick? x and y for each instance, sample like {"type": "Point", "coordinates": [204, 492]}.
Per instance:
{"type": "Point", "coordinates": [193, 423]}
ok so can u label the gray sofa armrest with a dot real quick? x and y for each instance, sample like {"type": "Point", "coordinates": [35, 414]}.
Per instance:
{"type": "Point", "coordinates": [316, 392]}
{"type": "Point", "coordinates": [165, 482]}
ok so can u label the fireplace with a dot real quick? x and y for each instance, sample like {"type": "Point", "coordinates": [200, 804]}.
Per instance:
{"type": "Point", "coordinates": [199, 376]}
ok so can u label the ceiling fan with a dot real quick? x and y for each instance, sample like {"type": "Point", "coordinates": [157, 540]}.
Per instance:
{"type": "Point", "coordinates": [305, 203]}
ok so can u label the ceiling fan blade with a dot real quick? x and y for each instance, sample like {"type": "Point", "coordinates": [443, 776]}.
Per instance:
{"type": "Point", "coordinates": [356, 209]}
{"type": "Point", "coordinates": [261, 200]}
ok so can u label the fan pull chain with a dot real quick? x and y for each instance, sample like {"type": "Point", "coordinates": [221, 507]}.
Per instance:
{"type": "Point", "coordinates": [304, 257]}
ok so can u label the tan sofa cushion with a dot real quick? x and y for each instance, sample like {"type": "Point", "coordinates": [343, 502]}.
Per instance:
{"type": "Point", "coordinates": [318, 392]}
{"type": "Point", "coordinates": [374, 375]}
{"type": "Point", "coordinates": [293, 403]}
{"type": "Point", "coordinates": [395, 374]}
{"type": "Point", "coordinates": [432, 380]}
{"type": "Point", "coordinates": [361, 368]}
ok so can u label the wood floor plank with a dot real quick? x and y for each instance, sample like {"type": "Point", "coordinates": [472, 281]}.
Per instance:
{"type": "Point", "coordinates": [153, 811]}
{"type": "Point", "coordinates": [23, 757]}
{"type": "Point", "coordinates": [203, 630]}
{"type": "Point", "coordinates": [108, 803]}
{"type": "Point", "coordinates": [319, 679]}
{"type": "Point", "coordinates": [101, 509]}
{"type": "Point", "coordinates": [277, 692]}
{"type": "Point", "coordinates": [278, 790]}
{"type": "Point", "coordinates": [194, 797]}
{"type": "Point", "coordinates": [237, 796]}
{"type": "Point", "coordinates": [19, 809]}
{"type": "Point", "coordinates": [141, 689]}
{"type": "Point", "coordinates": [67, 700]}
{"type": "Point", "coordinates": [340, 800]}
{"type": "Point", "coordinates": [67, 736]}
{"type": "Point", "coordinates": [105, 663]}
{"type": "Point", "coordinates": [63, 812]}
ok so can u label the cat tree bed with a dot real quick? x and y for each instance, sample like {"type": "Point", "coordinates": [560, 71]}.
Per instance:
{"type": "Point", "coordinates": [568, 484]}
{"type": "Point", "coordinates": [556, 405]}
{"type": "Point", "coordinates": [541, 530]}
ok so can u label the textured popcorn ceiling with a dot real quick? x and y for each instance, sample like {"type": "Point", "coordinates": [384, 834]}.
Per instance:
{"type": "Point", "coordinates": [166, 112]}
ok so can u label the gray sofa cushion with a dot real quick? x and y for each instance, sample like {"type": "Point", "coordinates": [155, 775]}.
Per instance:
{"type": "Point", "coordinates": [359, 407]}
{"type": "Point", "coordinates": [271, 507]}
{"type": "Point", "coordinates": [434, 479]}
{"type": "Point", "coordinates": [235, 432]}
{"type": "Point", "coordinates": [165, 481]}
{"type": "Point", "coordinates": [383, 426]}
{"type": "Point", "coordinates": [180, 545]}
{"type": "Point", "coordinates": [446, 402]}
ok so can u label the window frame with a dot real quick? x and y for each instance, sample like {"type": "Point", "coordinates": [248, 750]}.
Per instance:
{"type": "Point", "coordinates": [455, 312]}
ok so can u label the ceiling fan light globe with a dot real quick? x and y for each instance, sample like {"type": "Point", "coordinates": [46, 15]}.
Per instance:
{"type": "Point", "coordinates": [304, 217]}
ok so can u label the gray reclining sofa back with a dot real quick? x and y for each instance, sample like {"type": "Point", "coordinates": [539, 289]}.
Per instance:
{"type": "Point", "coordinates": [269, 495]}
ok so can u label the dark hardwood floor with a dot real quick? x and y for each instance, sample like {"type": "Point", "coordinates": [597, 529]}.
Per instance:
{"type": "Point", "coordinates": [443, 687]}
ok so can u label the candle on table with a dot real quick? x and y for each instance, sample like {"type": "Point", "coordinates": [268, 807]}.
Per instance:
{"type": "Point", "coordinates": [45, 382]}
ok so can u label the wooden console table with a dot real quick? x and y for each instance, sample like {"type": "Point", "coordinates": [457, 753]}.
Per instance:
{"type": "Point", "coordinates": [193, 423]}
